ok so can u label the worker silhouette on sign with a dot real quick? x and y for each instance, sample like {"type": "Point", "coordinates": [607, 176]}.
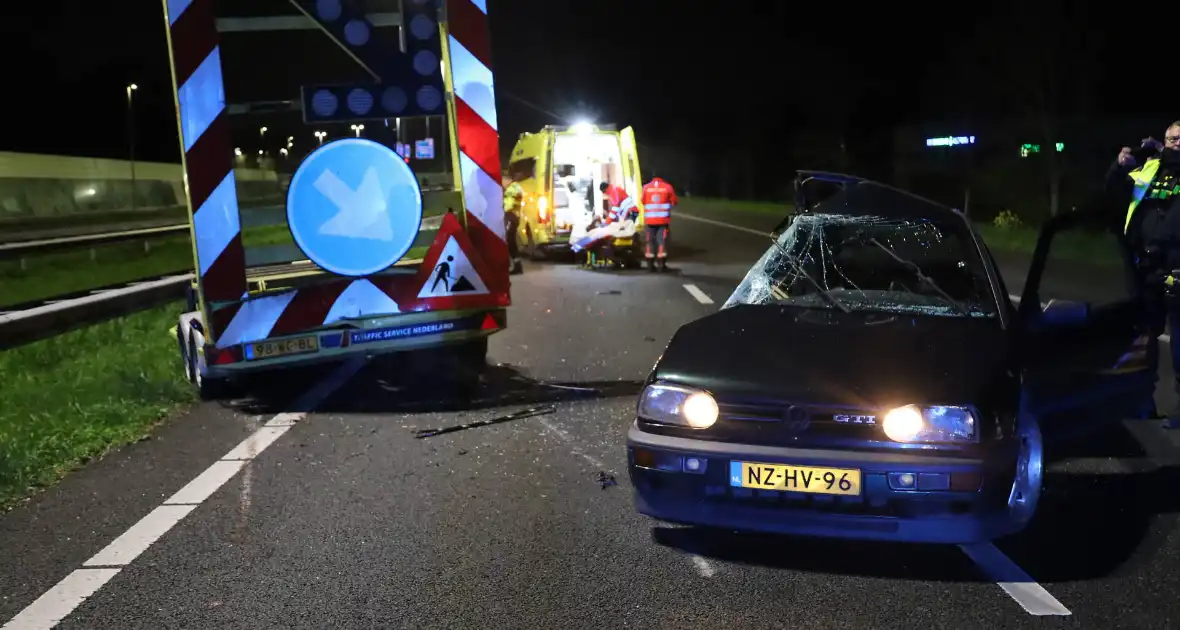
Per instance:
{"type": "Point", "coordinates": [444, 274]}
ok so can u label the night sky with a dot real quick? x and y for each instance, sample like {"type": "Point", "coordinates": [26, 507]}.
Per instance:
{"type": "Point", "coordinates": [695, 75]}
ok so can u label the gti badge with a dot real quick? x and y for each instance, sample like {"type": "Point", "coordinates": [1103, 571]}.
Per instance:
{"type": "Point", "coordinates": [844, 418]}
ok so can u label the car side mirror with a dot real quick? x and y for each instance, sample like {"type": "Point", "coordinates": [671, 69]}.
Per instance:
{"type": "Point", "coordinates": [1065, 313]}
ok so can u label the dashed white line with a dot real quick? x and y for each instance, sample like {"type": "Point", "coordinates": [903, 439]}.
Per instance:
{"type": "Point", "coordinates": [136, 540]}
{"type": "Point", "coordinates": [565, 437]}
{"type": "Point", "coordinates": [60, 600]}
{"type": "Point", "coordinates": [206, 483]}
{"type": "Point", "coordinates": [1032, 597]}
{"type": "Point", "coordinates": [700, 295]}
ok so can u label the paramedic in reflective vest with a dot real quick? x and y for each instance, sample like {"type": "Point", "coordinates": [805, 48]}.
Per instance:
{"type": "Point", "coordinates": [1152, 226]}
{"type": "Point", "coordinates": [621, 204]}
{"type": "Point", "coordinates": [658, 200]}
{"type": "Point", "coordinates": [513, 200]}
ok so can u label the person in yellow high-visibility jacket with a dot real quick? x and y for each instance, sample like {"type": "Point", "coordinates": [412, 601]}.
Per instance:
{"type": "Point", "coordinates": [1152, 226]}
{"type": "Point", "coordinates": [513, 201]}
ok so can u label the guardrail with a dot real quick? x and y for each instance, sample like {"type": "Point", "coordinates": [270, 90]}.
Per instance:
{"type": "Point", "coordinates": [16, 249]}
{"type": "Point", "coordinates": [20, 249]}
{"type": "Point", "coordinates": [24, 324]}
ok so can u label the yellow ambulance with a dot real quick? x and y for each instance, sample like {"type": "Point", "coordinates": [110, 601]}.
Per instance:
{"type": "Point", "coordinates": [559, 169]}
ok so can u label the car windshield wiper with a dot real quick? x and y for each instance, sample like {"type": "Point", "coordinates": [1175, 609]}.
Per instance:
{"type": "Point", "coordinates": [923, 278]}
{"type": "Point", "coordinates": [812, 281]}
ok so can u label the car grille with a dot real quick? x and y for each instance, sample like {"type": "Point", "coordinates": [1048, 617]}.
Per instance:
{"type": "Point", "coordinates": [786, 423]}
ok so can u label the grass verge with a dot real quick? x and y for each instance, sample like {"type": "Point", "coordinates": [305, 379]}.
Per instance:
{"type": "Point", "coordinates": [74, 397]}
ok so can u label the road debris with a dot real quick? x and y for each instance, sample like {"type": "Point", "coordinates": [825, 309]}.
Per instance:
{"type": "Point", "coordinates": [606, 479]}
{"type": "Point", "coordinates": [518, 415]}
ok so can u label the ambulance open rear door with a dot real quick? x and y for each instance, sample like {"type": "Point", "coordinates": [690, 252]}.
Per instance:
{"type": "Point", "coordinates": [531, 165]}
{"type": "Point", "coordinates": [632, 177]}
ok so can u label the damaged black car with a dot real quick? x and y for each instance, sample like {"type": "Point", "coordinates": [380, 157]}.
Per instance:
{"type": "Point", "coordinates": [871, 378]}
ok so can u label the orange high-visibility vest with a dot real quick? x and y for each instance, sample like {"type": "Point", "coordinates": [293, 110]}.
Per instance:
{"type": "Point", "coordinates": [658, 199]}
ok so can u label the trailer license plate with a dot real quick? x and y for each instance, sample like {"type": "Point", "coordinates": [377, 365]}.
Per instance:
{"type": "Point", "coordinates": [809, 479]}
{"type": "Point", "coordinates": [283, 347]}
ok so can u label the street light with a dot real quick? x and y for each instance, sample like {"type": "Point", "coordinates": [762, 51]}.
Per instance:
{"type": "Point", "coordinates": [320, 135]}
{"type": "Point", "coordinates": [262, 131]}
{"type": "Point", "coordinates": [131, 87]}
{"type": "Point", "coordinates": [358, 129]}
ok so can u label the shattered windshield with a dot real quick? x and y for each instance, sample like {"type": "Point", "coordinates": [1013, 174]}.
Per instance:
{"type": "Point", "coordinates": [872, 248]}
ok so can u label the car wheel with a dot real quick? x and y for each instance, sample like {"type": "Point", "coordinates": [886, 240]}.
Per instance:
{"type": "Point", "coordinates": [1026, 486]}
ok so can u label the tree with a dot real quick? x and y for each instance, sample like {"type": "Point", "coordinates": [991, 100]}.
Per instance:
{"type": "Point", "coordinates": [1046, 74]}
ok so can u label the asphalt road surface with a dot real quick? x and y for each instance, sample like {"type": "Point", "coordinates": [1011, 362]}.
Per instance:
{"type": "Point", "coordinates": [341, 518]}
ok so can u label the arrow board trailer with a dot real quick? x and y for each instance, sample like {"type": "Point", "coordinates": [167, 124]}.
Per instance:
{"type": "Point", "coordinates": [559, 169]}
{"type": "Point", "coordinates": [377, 249]}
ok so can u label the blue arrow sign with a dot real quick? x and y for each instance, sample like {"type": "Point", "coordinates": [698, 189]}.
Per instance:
{"type": "Point", "coordinates": [354, 207]}
{"type": "Point", "coordinates": [405, 83]}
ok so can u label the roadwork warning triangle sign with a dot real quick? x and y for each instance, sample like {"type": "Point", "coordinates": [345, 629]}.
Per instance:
{"type": "Point", "coordinates": [452, 274]}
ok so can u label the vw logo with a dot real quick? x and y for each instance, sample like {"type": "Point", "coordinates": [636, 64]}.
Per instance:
{"type": "Point", "coordinates": [796, 419]}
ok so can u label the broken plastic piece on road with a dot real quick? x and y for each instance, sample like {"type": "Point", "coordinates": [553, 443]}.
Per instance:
{"type": "Point", "coordinates": [518, 415]}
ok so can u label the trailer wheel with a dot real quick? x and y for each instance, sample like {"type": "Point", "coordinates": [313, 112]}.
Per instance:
{"type": "Point", "coordinates": [207, 388]}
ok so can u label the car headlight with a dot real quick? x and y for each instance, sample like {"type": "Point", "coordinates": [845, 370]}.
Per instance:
{"type": "Point", "coordinates": [673, 404]}
{"type": "Point", "coordinates": [913, 423]}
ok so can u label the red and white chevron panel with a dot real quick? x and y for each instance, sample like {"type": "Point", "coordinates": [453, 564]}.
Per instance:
{"type": "Point", "coordinates": [470, 75]}
{"type": "Point", "coordinates": [376, 296]}
{"type": "Point", "coordinates": [208, 156]}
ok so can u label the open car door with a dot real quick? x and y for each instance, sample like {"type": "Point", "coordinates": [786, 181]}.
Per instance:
{"type": "Point", "coordinates": [632, 180]}
{"type": "Point", "coordinates": [1087, 358]}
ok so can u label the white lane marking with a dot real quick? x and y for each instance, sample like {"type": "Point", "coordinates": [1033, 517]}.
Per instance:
{"type": "Point", "coordinates": [568, 439]}
{"type": "Point", "coordinates": [206, 483]}
{"type": "Point", "coordinates": [257, 442]}
{"type": "Point", "coordinates": [1032, 597]}
{"type": "Point", "coordinates": [703, 567]}
{"type": "Point", "coordinates": [762, 233]}
{"type": "Point", "coordinates": [694, 291]}
{"type": "Point", "coordinates": [60, 600]}
{"type": "Point", "coordinates": [136, 540]}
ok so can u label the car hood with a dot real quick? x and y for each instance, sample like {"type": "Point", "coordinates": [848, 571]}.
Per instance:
{"type": "Point", "coordinates": [825, 356]}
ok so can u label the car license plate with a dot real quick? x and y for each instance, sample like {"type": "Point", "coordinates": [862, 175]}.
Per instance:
{"type": "Point", "coordinates": [809, 479]}
{"type": "Point", "coordinates": [283, 347]}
